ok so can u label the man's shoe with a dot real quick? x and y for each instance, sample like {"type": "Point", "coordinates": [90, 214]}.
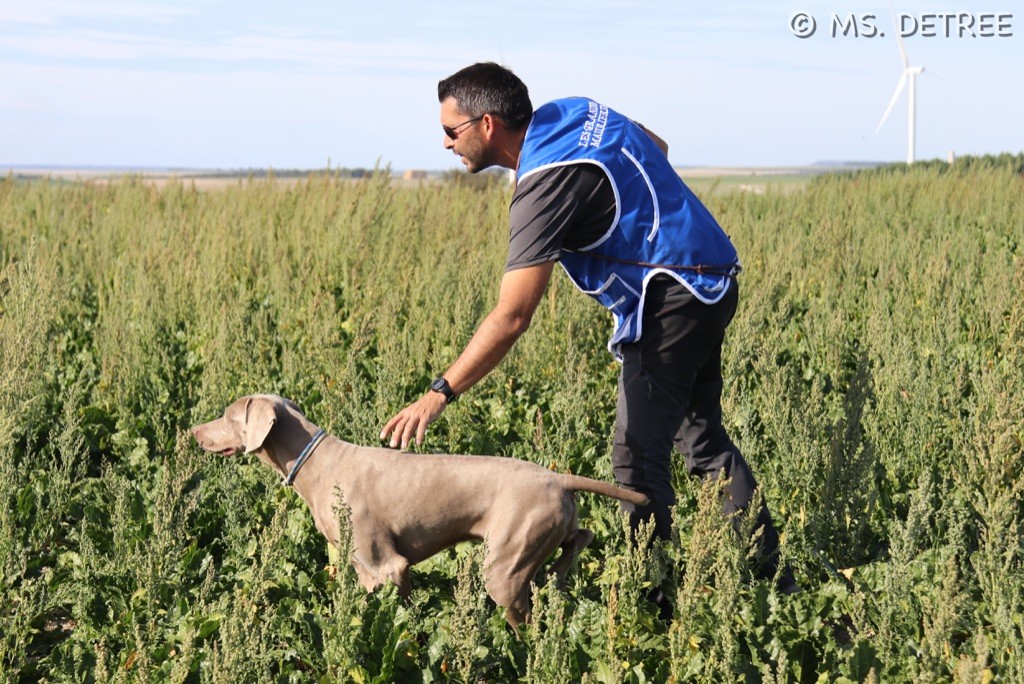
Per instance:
{"type": "Point", "coordinates": [660, 600]}
{"type": "Point", "coordinates": [786, 583]}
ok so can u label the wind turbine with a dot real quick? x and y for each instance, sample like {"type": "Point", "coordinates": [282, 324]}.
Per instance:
{"type": "Point", "coordinates": [909, 74]}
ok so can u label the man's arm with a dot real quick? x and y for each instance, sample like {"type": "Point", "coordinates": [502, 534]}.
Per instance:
{"type": "Point", "coordinates": [520, 293]}
{"type": "Point", "coordinates": [662, 145]}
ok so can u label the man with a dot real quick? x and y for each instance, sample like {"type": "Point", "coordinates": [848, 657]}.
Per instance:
{"type": "Point", "coordinates": [596, 192]}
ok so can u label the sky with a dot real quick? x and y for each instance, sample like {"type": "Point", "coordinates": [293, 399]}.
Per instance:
{"type": "Point", "coordinates": [308, 84]}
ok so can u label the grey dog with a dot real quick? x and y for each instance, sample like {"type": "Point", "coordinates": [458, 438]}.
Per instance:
{"type": "Point", "coordinates": [406, 507]}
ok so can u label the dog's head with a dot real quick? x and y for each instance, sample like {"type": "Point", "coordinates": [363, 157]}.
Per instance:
{"type": "Point", "coordinates": [244, 427]}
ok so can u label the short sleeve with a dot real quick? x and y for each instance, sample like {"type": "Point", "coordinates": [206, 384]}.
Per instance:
{"type": "Point", "coordinates": [564, 206]}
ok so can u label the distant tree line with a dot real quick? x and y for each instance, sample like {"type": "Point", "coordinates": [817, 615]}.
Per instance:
{"type": "Point", "coordinates": [357, 172]}
{"type": "Point", "coordinates": [476, 181]}
{"type": "Point", "coordinates": [1006, 161]}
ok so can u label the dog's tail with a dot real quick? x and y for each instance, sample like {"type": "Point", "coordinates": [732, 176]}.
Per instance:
{"type": "Point", "coordinates": [577, 483]}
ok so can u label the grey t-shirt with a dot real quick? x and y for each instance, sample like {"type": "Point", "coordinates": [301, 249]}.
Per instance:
{"type": "Point", "coordinates": [567, 206]}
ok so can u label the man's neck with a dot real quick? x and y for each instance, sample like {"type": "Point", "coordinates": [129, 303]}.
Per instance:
{"type": "Point", "coordinates": [511, 149]}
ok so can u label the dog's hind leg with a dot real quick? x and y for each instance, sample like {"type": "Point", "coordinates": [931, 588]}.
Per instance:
{"type": "Point", "coordinates": [511, 591]}
{"type": "Point", "coordinates": [571, 548]}
{"type": "Point", "coordinates": [508, 571]}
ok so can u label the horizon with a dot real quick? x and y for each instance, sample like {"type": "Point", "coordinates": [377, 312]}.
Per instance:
{"type": "Point", "coordinates": [820, 164]}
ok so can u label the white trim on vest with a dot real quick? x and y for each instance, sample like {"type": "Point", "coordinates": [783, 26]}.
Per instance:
{"type": "Point", "coordinates": [654, 196]}
{"type": "Point", "coordinates": [611, 180]}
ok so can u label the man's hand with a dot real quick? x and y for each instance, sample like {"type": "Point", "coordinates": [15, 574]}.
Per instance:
{"type": "Point", "coordinates": [412, 421]}
{"type": "Point", "coordinates": [520, 293]}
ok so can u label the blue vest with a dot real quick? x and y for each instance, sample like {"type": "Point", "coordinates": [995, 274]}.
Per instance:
{"type": "Point", "coordinates": [660, 226]}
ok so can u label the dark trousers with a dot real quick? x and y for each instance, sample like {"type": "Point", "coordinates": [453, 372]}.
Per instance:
{"type": "Point", "coordinates": [670, 391]}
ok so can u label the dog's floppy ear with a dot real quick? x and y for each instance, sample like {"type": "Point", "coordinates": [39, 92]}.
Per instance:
{"type": "Point", "coordinates": [260, 416]}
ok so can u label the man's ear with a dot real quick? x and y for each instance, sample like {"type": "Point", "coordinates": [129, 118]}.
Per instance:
{"type": "Point", "coordinates": [260, 416]}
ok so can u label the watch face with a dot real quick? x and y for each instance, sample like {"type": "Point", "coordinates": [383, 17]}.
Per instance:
{"type": "Point", "coordinates": [438, 385]}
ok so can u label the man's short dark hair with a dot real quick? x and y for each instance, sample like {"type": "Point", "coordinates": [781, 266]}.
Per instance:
{"type": "Point", "coordinates": [489, 88]}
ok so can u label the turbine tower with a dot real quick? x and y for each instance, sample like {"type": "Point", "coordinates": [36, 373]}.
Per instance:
{"type": "Point", "coordinates": [909, 74]}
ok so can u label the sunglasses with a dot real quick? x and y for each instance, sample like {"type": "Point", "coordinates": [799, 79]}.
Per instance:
{"type": "Point", "coordinates": [453, 131]}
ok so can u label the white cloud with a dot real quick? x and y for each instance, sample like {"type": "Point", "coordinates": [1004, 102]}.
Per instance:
{"type": "Point", "coordinates": [49, 12]}
{"type": "Point", "coordinates": [285, 49]}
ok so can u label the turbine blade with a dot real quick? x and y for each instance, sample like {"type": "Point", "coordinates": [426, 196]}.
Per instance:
{"type": "Point", "coordinates": [899, 39]}
{"type": "Point", "coordinates": [892, 102]}
{"type": "Point", "coordinates": [899, 42]}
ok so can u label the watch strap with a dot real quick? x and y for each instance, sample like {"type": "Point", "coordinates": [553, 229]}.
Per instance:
{"type": "Point", "coordinates": [441, 386]}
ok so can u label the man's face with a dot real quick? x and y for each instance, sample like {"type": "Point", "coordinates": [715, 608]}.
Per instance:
{"type": "Point", "coordinates": [469, 141]}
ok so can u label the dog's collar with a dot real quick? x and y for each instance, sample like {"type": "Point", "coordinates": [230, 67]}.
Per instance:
{"type": "Point", "coordinates": [304, 456]}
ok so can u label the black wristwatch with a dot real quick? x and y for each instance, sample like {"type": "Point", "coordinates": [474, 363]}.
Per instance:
{"type": "Point", "coordinates": [441, 385]}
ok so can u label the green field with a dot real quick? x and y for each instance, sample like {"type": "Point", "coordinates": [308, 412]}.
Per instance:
{"type": "Point", "coordinates": [874, 378]}
{"type": "Point", "coordinates": [706, 183]}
